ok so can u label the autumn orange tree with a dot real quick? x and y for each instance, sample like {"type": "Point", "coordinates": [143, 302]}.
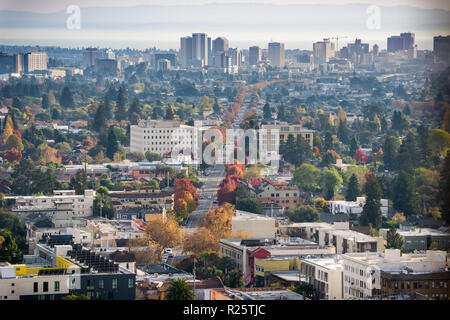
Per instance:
{"type": "Point", "coordinates": [201, 240]}
{"type": "Point", "coordinates": [186, 198]}
{"type": "Point", "coordinates": [165, 233]}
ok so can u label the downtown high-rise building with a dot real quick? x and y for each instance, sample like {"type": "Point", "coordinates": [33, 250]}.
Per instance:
{"type": "Point", "coordinates": [34, 61]}
{"type": "Point", "coordinates": [254, 55]}
{"type": "Point", "coordinates": [276, 54]}
{"type": "Point", "coordinates": [235, 56]}
{"type": "Point", "coordinates": [200, 50]}
{"type": "Point", "coordinates": [195, 50]}
{"type": "Point", "coordinates": [405, 41]}
{"type": "Point", "coordinates": [220, 44]}
{"type": "Point", "coordinates": [323, 51]}
{"type": "Point", "coordinates": [185, 51]}
{"type": "Point", "coordinates": [441, 48]}
{"type": "Point", "coordinates": [90, 56]}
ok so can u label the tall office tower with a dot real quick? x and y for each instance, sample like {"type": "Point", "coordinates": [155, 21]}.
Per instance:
{"type": "Point", "coordinates": [276, 54]}
{"type": "Point", "coordinates": [209, 49]}
{"type": "Point", "coordinates": [254, 55]}
{"type": "Point", "coordinates": [220, 44]}
{"type": "Point", "coordinates": [18, 63]}
{"type": "Point", "coordinates": [441, 48]}
{"type": "Point", "coordinates": [408, 40]}
{"type": "Point", "coordinates": [185, 51]}
{"type": "Point", "coordinates": [235, 56]}
{"type": "Point", "coordinates": [356, 50]}
{"type": "Point", "coordinates": [90, 56]}
{"type": "Point", "coordinates": [6, 63]}
{"type": "Point", "coordinates": [323, 51]}
{"type": "Point", "coordinates": [200, 47]}
{"type": "Point", "coordinates": [376, 50]}
{"type": "Point", "coordinates": [305, 58]}
{"type": "Point", "coordinates": [394, 43]}
{"type": "Point", "coordinates": [110, 54]}
{"type": "Point", "coordinates": [35, 61]}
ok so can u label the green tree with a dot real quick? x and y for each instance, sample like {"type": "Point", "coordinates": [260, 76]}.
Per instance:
{"type": "Point", "coordinates": [79, 182]}
{"type": "Point", "coordinates": [353, 190]}
{"type": "Point", "coordinates": [444, 189]}
{"type": "Point", "coordinates": [152, 156]}
{"type": "Point", "coordinates": [330, 182]}
{"type": "Point", "coordinates": [307, 177]}
{"type": "Point", "coordinates": [45, 101]}
{"type": "Point", "coordinates": [9, 251]}
{"type": "Point", "coordinates": [233, 279]}
{"type": "Point", "coordinates": [371, 210]}
{"type": "Point", "coordinates": [403, 161]}
{"type": "Point", "coordinates": [179, 290]}
{"type": "Point", "coordinates": [112, 145]}
{"type": "Point", "coordinates": [404, 194]}
{"type": "Point", "coordinates": [170, 114]}
{"type": "Point", "coordinates": [249, 205]}
{"type": "Point", "coordinates": [393, 239]}
{"type": "Point", "coordinates": [303, 214]}
{"type": "Point", "coordinates": [108, 109]}
{"type": "Point", "coordinates": [267, 111]}
{"type": "Point", "coordinates": [134, 108]}
{"type": "Point", "coordinates": [121, 113]}
{"type": "Point", "coordinates": [66, 99]}
{"type": "Point", "coordinates": [99, 123]}
{"type": "Point", "coordinates": [389, 153]}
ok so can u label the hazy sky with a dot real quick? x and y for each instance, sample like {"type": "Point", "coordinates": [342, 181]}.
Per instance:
{"type": "Point", "coordinates": [46, 6]}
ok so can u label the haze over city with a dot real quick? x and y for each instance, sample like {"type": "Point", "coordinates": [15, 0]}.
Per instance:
{"type": "Point", "coordinates": [143, 24]}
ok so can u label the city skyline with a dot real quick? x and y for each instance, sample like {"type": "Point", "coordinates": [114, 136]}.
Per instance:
{"type": "Point", "coordinates": [243, 24]}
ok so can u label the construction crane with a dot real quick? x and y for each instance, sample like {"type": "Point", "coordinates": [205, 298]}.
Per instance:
{"type": "Point", "coordinates": [337, 41]}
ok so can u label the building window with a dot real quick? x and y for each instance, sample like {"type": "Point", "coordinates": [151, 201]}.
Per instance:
{"type": "Point", "coordinates": [114, 283]}
{"type": "Point", "coordinates": [45, 286]}
{"type": "Point", "coordinates": [130, 283]}
{"type": "Point", "coordinates": [90, 284]}
{"type": "Point", "coordinates": [56, 286]}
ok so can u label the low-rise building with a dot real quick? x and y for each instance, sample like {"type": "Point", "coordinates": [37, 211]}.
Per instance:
{"type": "Point", "coordinates": [363, 271]}
{"type": "Point", "coordinates": [60, 270]}
{"type": "Point", "coordinates": [416, 238]}
{"type": "Point", "coordinates": [355, 207]}
{"type": "Point", "coordinates": [244, 251]}
{"type": "Point", "coordinates": [64, 208]}
{"type": "Point", "coordinates": [146, 199]}
{"type": "Point", "coordinates": [326, 275]}
{"type": "Point", "coordinates": [268, 192]}
{"type": "Point", "coordinates": [255, 294]}
{"type": "Point", "coordinates": [256, 225]}
{"type": "Point", "coordinates": [337, 234]}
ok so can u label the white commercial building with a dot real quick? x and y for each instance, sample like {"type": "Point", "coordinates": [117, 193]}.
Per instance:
{"type": "Point", "coordinates": [362, 270]}
{"type": "Point", "coordinates": [161, 136]}
{"type": "Point", "coordinates": [325, 274]}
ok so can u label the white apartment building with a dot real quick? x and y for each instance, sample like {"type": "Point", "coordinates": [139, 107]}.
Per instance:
{"type": "Point", "coordinates": [355, 207]}
{"type": "Point", "coordinates": [325, 274]}
{"type": "Point", "coordinates": [362, 270]}
{"type": "Point", "coordinates": [64, 207]}
{"type": "Point", "coordinates": [160, 136]}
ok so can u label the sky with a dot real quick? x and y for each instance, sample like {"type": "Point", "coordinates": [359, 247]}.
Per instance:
{"type": "Point", "coordinates": [46, 6]}
{"type": "Point", "coordinates": [103, 24]}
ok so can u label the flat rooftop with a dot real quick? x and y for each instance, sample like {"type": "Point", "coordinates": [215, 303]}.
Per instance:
{"type": "Point", "coordinates": [329, 263]}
